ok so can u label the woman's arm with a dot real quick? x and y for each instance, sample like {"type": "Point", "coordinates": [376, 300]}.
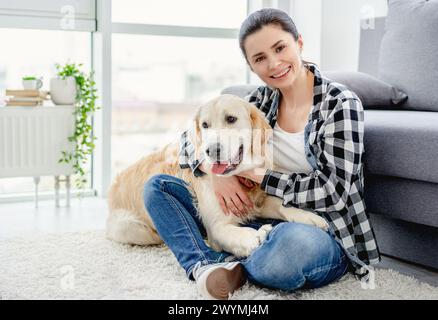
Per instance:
{"type": "Point", "coordinates": [341, 148]}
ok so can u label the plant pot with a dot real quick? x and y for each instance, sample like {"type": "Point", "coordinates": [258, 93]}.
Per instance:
{"type": "Point", "coordinates": [63, 91]}
{"type": "Point", "coordinates": [34, 84]}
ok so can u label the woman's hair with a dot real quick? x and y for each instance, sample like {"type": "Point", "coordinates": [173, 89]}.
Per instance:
{"type": "Point", "coordinates": [258, 19]}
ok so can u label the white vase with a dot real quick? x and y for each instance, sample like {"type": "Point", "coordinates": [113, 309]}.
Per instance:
{"type": "Point", "coordinates": [63, 91]}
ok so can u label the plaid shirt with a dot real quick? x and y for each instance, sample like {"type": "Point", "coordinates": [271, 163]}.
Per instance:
{"type": "Point", "coordinates": [334, 147]}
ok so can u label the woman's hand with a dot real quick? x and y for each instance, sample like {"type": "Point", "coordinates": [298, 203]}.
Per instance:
{"type": "Point", "coordinates": [232, 198]}
{"type": "Point", "coordinates": [253, 175]}
{"type": "Point", "coordinates": [246, 182]}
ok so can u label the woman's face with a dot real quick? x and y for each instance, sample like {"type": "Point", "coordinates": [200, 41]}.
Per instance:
{"type": "Point", "coordinates": [274, 55]}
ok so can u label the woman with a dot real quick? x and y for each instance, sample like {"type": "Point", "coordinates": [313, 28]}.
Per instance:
{"type": "Point", "coordinates": [318, 148]}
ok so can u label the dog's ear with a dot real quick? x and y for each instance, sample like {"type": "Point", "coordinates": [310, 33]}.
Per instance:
{"type": "Point", "coordinates": [197, 137]}
{"type": "Point", "coordinates": [261, 131]}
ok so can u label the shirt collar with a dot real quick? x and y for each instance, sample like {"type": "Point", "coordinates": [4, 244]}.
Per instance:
{"type": "Point", "coordinates": [319, 89]}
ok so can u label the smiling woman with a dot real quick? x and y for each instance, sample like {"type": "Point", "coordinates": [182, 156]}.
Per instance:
{"type": "Point", "coordinates": [298, 103]}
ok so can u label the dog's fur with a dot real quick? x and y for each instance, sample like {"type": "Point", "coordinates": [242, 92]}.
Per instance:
{"type": "Point", "coordinates": [129, 221]}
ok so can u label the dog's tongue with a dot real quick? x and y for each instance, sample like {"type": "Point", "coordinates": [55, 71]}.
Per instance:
{"type": "Point", "coordinates": [219, 168]}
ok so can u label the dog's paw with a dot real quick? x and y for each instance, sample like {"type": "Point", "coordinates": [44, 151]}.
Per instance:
{"type": "Point", "coordinates": [214, 245]}
{"type": "Point", "coordinates": [319, 222]}
{"type": "Point", "coordinates": [307, 217]}
{"type": "Point", "coordinates": [252, 240]}
{"type": "Point", "coordinates": [263, 232]}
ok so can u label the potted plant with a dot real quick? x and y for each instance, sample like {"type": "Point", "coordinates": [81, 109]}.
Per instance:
{"type": "Point", "coordinates": [83, 137]}
{"type": "Point", "coordinates": [32, 82]}
{"type": "Point", "coordinates": [63, 88]}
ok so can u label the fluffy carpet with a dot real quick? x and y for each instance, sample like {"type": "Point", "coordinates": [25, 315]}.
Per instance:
{"type": "Point", "coordinates": [87, 266]}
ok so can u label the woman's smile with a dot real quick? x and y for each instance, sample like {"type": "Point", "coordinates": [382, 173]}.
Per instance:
{"type": "Point", "coordinates": [282, 74]}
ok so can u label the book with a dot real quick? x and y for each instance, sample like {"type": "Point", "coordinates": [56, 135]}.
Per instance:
{"type": "Point", "coordinates": [27, 93]}
{"type": "Point", "coordinates": [22, 103]}
{"type": "Point", "coordinates": [23, 99]}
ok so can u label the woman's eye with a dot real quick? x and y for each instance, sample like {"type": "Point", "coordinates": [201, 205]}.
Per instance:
{"type": "Point", "coordinates": [231, 119]}
{"type": "Point", "coordinates": [279, 48]}
{"type": "Point", "coordinates": [259, 59]}
{"type": "Point", "coordinates": [205, 125]}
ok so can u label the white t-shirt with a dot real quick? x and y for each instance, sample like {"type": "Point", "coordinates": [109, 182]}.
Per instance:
{"type": "Point", "coordinates": [289, 154]}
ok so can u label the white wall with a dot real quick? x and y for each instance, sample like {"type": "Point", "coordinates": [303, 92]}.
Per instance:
{"type": "Point", "coordinates": [307, 15]}
{"type": "Point", "coordinates": [340, 32]}
{"type": "Point", "coordinates": [331, 29]}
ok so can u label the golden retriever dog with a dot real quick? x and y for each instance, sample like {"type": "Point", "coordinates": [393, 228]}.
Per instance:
{"type": "Point", "coordinates": [233, 136]}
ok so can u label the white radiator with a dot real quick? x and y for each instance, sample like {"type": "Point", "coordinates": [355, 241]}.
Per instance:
{"type": "Point", "coordinates": [31, 141]}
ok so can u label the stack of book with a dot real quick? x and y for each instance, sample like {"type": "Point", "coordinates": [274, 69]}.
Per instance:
{"type": "Point", "coordinates": [26, 97]}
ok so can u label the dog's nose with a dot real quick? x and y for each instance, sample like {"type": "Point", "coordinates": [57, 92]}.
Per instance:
{"type": "Point", "coordinates": [214, 151]}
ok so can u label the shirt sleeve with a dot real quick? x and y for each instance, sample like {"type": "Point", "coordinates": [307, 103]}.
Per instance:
{"type": "Point", "coordinates": [186, 157]}
{"type": "Point", "coordinates": [256, 97]}
{"type": "Point", "coordinates": [340, 162]}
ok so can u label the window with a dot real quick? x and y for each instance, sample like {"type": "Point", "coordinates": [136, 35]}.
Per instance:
{"type": "Point", "coordinates": [159, 82]}
{"type": "Point", "coordinates": [34, 52]}
{"type": "Point", "coordinates": [161, 74]}
{"type": "Point", "coordinates": [167, 58]}
{"type": "Point", "coordinates": [200, 13]}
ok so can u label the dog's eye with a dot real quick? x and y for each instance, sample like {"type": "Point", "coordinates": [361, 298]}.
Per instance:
{"type": "Point", "coordinates": [205, 125]}
{"type": "Point", "coordinates": [231, 119]}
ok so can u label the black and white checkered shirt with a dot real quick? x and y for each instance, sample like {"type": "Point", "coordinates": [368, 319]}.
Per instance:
{"type": "Point", "coordinates": [334, 141]}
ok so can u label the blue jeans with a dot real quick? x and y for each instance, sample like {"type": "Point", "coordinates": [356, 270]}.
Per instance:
{"type": "Point", "coordinates": [294, 255]}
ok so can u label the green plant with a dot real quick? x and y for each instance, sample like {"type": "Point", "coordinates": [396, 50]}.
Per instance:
{"type": "Point", "coordinates": [85, 108]}
{"type": "Point", "coordinates": [29, 78]}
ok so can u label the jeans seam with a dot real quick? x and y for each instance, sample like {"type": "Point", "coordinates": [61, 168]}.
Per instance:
{"type": "Point", "coordinates": [325, 267]}
{"type": "Point", "coordinates": [200, 252]}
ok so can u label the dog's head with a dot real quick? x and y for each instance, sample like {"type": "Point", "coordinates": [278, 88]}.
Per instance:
{"type": "Point", "coordinates": [232, 134]}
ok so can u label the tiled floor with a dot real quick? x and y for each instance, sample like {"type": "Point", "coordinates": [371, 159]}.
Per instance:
{"type": "Point", "coordinates": [22, 219]}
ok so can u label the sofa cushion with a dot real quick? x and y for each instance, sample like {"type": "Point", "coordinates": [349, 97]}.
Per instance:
{"type": "Point", "coordinates": [402, 144]}
{"type": "Point", "coordinates": [374, 93]}
{"type": "Point", "coordinates": [404, 199]}
{"type": "Point", "coordinates": [408, 52]}
{"type": "Point", "coordinates": [406, 240]}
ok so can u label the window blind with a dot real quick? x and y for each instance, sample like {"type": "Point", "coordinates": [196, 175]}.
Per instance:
{"type": "Point", "coordinates": [75, 15]}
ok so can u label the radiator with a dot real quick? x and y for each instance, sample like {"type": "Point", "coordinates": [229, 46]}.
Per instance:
{"type": "Point", "coordinates": [31, 141]}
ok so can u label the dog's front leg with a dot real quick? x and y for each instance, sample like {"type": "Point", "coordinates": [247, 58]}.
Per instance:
{"type": "Point", "coordinates": [240, 241]}
{"type": "Point", "coordinates": [224, 232]}
{"type": "Point", "coordinates": [274, 209]}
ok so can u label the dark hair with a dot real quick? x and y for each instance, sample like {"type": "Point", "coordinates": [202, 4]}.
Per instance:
{"type": "Point", "coordinates": [258, 19]}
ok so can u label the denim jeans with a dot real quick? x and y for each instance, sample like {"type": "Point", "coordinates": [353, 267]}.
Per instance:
{"type": "Point", "coordinates": [294, 255]}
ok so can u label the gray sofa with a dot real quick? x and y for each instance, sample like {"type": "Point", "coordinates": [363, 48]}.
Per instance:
{"type": "Point", "coordinates": [401, 158]}
{"type": "Point", "coordinates": [401, 146]}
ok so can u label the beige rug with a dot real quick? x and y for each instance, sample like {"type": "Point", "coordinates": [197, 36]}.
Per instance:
{"type": "Point", "coordinates": [87, 266]}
